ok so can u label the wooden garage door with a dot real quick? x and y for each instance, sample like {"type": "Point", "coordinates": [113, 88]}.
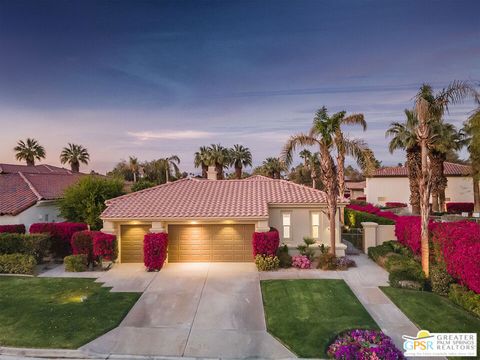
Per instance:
{"type": "Point", "coordinates": [132, 242]}
{"type": "Point", "coordinates": [200, 243]}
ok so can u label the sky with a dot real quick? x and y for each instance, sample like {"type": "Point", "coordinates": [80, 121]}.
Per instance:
{"type": "Point", "coordinates": [155, 78]}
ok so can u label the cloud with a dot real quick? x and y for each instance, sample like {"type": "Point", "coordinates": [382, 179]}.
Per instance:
{"type": "Point", "coordinates": [171, 135]}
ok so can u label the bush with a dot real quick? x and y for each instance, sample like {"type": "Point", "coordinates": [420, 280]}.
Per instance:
{"type": "Point", "coordinates": [105, 246]}
{"type": "Point", "coordinates": [459, 207]}
{"type": "Point", "coordinates": [327, 261]}
{"type": "Point", "coordinates": [60, 235]}
{"type": "Point", "coordinates": [17, 264]}
{"type": "Point", "coordinates": [407, 277]}
{"type": "Point", "coordinates": [301, 262]}
{"type": "Point", "coordinates": [155, 247]}
{"type": "Point", "coordinates": [465, 298]}
{"type": "Point", "coordinates": [76, 263]}
{"type": "Point", "coordinates": [354, 218]}
{"type": "Point", "coordinates": [36, 245]}
{"type": "Point", "coordinates": [266, 262]}
{"type": "Point", "coordinates": [142, 184]}
{"type": "Point", "coordinates": [265, 243]}
{"type": "Point", "coordinates": [343, 263]}
{"type": "Point", "coordinates": [16, 229]}
{"type": "Point", "coordinates": [395, 205]}
{"type": "Point", "coordinates": [284, 257]}
{"type": "Point", "coordinates": [82, 243]}
{"type": "Point", "coordinates": [440, 280]}
{"type": "Point", "coordinates": [305, 249]}
{"type": "Point", "coordinates": [408, 232]}
{"type": "Point", "coordinates": [375, 253]}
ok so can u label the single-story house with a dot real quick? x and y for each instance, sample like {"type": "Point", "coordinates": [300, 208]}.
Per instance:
{"type": "Point", "coordinates": [213, 220]}
{"type": "Point", "coordinates": [391, 184]}
{"type": "Point", "coordinates": [356, 189]}
{"type": "Point", "coordinates": [30, 194]}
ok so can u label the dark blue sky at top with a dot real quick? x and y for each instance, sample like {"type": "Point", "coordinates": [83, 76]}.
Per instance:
{"type": "Point", "coordinates": [161, 77]}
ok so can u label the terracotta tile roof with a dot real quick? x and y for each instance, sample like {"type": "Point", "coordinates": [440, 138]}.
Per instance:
{"type": "Point", "coordinates": [450, 169]}
{"type": "Point", "coordinates": [193, 198]}
{"type": "Point", "coordinates": [355, 185]}
{"type": "Point", "coordinates": [37, 169]}
{"type": "Point", "coordinates": [19, 191]}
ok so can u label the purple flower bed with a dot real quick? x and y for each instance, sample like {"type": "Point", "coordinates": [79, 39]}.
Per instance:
{"type": "Point", "coordinates": [364, 345]}
{"type": "Point", "coordinates": [301, 262]}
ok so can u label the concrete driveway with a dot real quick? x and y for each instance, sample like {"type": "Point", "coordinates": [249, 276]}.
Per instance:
{"type": "Point", "coordinates": [196, 310]}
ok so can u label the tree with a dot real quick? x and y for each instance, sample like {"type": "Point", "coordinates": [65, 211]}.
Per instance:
{"type": "Point", "coordinates": [219, 157]}
{"type": "Point", "coordinates": [122, 170]}
{"type": "Point", "coordinates": [305, 154]}
{"type": "Point", "coordinates": [472, 132]}
{"type": "Point", "coordinates": [240, 157]}
{"type": "Point", "coordinates": [74, 155]}
{"type": "Point", "coordinates": [404, 137]}
{"type": "Point", "coordinates": [142, 184]}
{"type": "Point", "coordinates": [170, 163]}
{"type": "Point", "coordinates": [201, 160]}
{"type": "Point", "coordinates": [29, 151]}
{"type": "Point", "coordinates": [85, 200]}
{"type": "Point", "coordinates": [273, 167]}
{"type": "Point", "coordinates": [430, 108]}
{"type": "Point", "coordinates": [134, 167]}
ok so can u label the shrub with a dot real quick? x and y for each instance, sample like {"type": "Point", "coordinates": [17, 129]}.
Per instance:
{"type": "Point", "coordinates": [459, 207]}
{"type": "Point", "coordinates": [410, 277]}
{"type": "Point", "coordinates": [364, 344]}
{"type": "Point", "coordinates": [408, 232]}
{"type": "Point", "coordinates": [82, 243]}
{"type": "Point", "coordinates": [301, 262]}
{"type": "Point", "coordinates": [76, 263]}
{"type": "Point", "coordinates": [16, 229]}
{"type": "Point", "coordinates": [305, 249]}
{"type": "Point", "coordinates": [105, 246]}
{"type": "Point", "coordinates": [60, 234]}
{"type": "Point", "coordinates": [266, 262]}
{"type": "Point", "coordinates": [376, 252]}
{"type": "Point", "coordinates": [343, 263]}
{"type": "Point", "coordinates": [284, 257]}
{"type": "Point", "coordinates": [465, 298]}
{"type": "Point", "coordinates": [394, 205]}
{"type": "Point", "coordinates": [36, 245]}
{"type": "Point", "coordinates": [265, 243]}
{"type": "Point", "coordinates": [354, 218]}
{"type": "Point", "coordinates": [155, 246]}
{"type": "Point", "coordinates": [17, 264]}
{"type": "Point", "coordinates": [327, 261]}
{"type": "Point", "coordinates": [440, 280]}
{"type": "Point", "coordinates": [142, 184]}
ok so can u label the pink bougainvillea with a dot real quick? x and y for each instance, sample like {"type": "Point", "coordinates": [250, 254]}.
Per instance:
{"type": "Point", "coordinates": [82, 243]}
{"type": "Point", "coordinates": [155, 246]}
{"type": "Point", "coordinates": [393, 204]}
{"type": "Point", "coordinates": [408, 232]}
{"type": "Point", "coordinates": [301, 262]}
{"type": "Point", "coordinates": [459, 207]}
{"type": "Point", "coordinates": [372, 209]}
{"type": "Point", "coordinates": [265, 243]}
{"type": "Point", "coordinates": [15, 229]}
{"type": "Point", "coordinates": [61, 234]}
{"type": "Point", "coordinates": [104, 246]}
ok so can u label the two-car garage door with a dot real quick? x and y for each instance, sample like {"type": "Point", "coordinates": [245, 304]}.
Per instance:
{"type": "Point", "coordinates": [195, 243]}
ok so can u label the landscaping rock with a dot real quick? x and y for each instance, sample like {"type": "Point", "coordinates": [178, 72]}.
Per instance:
{"type": "Point", "coordinates": [409, 284]}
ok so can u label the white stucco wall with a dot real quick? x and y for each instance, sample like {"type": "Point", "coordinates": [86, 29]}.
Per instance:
{"type": "Point", "coordinates": [41, 212]}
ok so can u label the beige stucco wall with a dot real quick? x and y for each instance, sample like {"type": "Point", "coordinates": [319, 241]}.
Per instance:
{"type": "Point", "coordinates": [356, 193]}
{"type": "Point", "coordinates": [41, 212]}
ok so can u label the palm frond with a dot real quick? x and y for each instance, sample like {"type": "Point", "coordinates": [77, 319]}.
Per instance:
{"type": "Point", "coordinates": [355, 119]}
{"type": "Point", "coordinates": [293, 142]}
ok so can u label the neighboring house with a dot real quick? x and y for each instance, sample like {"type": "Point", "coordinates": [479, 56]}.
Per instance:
{"type": "Point", "coordinates": [391, 184]}
{"type": "Point", "coordinates": [356, 189]}
{"type": "Point", "coordinates": [213, 220]}
{"type": "Point", "coordinates": [29, 194]}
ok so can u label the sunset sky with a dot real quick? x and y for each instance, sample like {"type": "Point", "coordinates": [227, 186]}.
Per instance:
{"type": "Point", "coordinates": [154, 78]}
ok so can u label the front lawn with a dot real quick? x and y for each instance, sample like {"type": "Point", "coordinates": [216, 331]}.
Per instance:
{"type": "Point", "coordinates": [306, 315]}
{"type": "Point", "coordinates": [58, 313]}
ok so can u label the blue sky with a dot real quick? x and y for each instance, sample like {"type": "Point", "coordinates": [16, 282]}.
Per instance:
{"type": "Point", "coordinates": [153, 78]}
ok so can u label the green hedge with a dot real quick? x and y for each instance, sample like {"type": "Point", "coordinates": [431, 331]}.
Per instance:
{"type": "Point", "coordinates": [36, 245]}
{"type": "Point", "coordinates": [76, 263]}
{"type": "Point", "coordinates": [17, 264]}
{"type": "Point", "coordinates": [465, 298]}
{"type": "Point", "coordinates": [355, 218]}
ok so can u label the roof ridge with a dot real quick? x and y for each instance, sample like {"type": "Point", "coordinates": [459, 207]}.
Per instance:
{"type": "Point", "coordinates": [30, 185]}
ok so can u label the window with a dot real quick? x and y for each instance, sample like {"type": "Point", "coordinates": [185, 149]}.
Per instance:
{"type": "Point", "coordinates": [315, 225]}
{"type": "Point", "coordinates": [286, 225]}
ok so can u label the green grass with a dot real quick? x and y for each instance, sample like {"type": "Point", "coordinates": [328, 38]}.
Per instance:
{"type": "Point", "coordinates": [50, 313]}
{"type": "Point", "coordinates": [433, 312]}
{"type": "Point", "coordinates": [306, 315]}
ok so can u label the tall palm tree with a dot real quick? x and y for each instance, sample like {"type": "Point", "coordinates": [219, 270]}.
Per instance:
{"type": "Point", "coordinates": [240, 156]}
{"type": "Point", "coordinates": [430, 108]}
{"type": "Point", "coordinates": [201, 159]}
{"type": "Point", "coordinates": [306, 155]}
{"type": "Point", "coordinates": [219, 157]}
{"type": "Point", "coordinates": [274, 167]}
{"type": "Point", "coordinates": [312, 164]}
{"type": "Point", "coordinates": [134, 167]}
{"type": "Point", "coordinates": [170, 163]}
{"type": "Point", "coordinates": [404, 137]}
{"type": "Point", "coordinates": [74, 155]}
{"type": "Point", "coordinates": [471, 129]}
{"type": "Point", "coordinates": [29, 150]}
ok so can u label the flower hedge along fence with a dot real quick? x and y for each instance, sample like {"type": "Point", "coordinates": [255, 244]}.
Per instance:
{"type": "Point", "coordinates": [459, 207]}
{"type": "Point", "coordinates": [372, 209]}
{"type": "Point", "coordinates": [408, 232]}
{"type": "Point", "coordinates": [395, 205]}
{"type": "Point", "coordinates": [155, 247]}
{"type": "Point", "coordinates": [95, 245]}
{"type": "Point", "coordinates": [265, 243]}
{"type": "Point", "coordinates": [13, 229]}
{"type": "Point", "coordinates": [364, 345]}
{"type": "Point", "coordinates": [60, 233]}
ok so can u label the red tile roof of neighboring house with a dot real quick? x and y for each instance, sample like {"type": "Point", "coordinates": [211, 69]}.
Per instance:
{"type": "Point", "coordinates": [19, 191]}
{"type": "Point", "coordinates": [193, 198]}
{"type": "Point", "coordinates": [355, 185]}
{"type": "Point", "coordinates": [37, 169]}
{"type": "Point", "coordinates": [450, 169]}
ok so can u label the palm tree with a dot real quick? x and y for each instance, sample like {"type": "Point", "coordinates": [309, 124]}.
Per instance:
{"type": "Point", "coordinates": [134, 167]}
{"type": "Point", "coordinates": [429, 108]}
{"type": "Point", "coordinates": [29, 151]}
{"type": "Point", "coordinates": [404, 137]}
{"type": "Point", "coordinates": [312, 164]}
{"type": "Point", "coordinates": [306, 155]}
{"type": "Point", "coordinates": [240, 156]}
{"type": "Point", "coordinates": [471, 129]}
{"type": "Point", "coordinates": [274, 167]}
{"type": "Point", "coordinates": [74, 155]}
{"type": "Point", "coordinates": [201, 160]}
{"type": "Point", "coordinates": [219, 157]}
{"type": "Point", "coordinates": [168, 164]}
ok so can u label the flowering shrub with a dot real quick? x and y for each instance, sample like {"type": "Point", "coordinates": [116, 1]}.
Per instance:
{"type": "Point", "coordinates": [343, 263]}
{"type": "Point", "coordinates": [364, 345]}
{"type": "Point", "coordinates": [82, 244]}
{"type": "Point", "coordinates": [459, 207]}
{"type": "Point", "coordinates": [14, 229]}
{"type": "Point", "coordinates": [267, 262]}
{"type": "Point", "coordinates": [265, 243]}
{"type": "Point", "coordinates": [372, 209]}
{"type": "Point", "coordinates": [408, 232]}
{"type": "Point", "coordinates": [361, 198]}
{"type": "Point", "coordinates": [105, 246]}
{"type": "Point", "coordinates": [155, 246]}
{"type": "Point", "coordinates": [60, 233]}
{"type": "Point", "coordinates": [301, 262]}
{"type": "Point", "coordinates": [393, 204]}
